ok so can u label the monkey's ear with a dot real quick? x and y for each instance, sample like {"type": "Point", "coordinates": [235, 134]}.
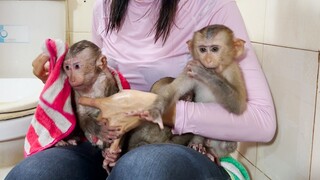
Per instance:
{"type": "Point", "coordinates": [239, 47]}
{"type": "Point", "coordinates": [189, 42]}
{"type": "Point", "coordinates": [102, 62]}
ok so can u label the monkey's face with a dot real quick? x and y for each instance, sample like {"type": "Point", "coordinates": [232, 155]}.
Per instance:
{"type": "Point", "coordinates": [213, 52]}
{"type": "Point", "coordinates": [81, 71]}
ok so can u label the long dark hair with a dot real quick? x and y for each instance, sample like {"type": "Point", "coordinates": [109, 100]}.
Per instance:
{"type": "Point", "coordinates": [167, 14]}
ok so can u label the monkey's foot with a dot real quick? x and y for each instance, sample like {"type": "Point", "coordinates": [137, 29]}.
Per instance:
{"type": "Point", "coordinates": [213, 158]}
{"type": "Point", "coordinates": [198, 147]}
{"type": "Point", "coordinates": [72, 142]}
{"type": "Point", "coordinates": [228, 146]}
{"type": "Point", "coordinates": [61, 143]}
{"type": "Point", "coordinates": [152, 115]}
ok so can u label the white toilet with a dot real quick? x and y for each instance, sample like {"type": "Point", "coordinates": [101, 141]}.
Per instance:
{"type": "Point", "coordinates": [18, 100]}
{"type": "Point", "coordinates": [24, 26]}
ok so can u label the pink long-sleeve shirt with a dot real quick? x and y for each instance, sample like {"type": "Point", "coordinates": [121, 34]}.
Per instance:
{"type": "Point", "coordinates": [132, 51]}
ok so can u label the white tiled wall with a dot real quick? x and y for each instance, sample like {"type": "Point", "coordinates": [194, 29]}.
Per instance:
{"type": "Point", "coordinates": [288, 48]}
{"type": "Point", "coordinates": [79, 18]}
{"type": "Point", "coordinates": [315, 166]}
{"type": "Point", "coordinates": [292, 75]}
{"type": "Point", "coordinates": [293, 23]}
{"type": "Point", "coordinates": [285, 35]}
{"type": "Point", "coordinates": [254, 18]}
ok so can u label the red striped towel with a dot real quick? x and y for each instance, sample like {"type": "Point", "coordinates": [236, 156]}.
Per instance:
{"type": "Point", "coordinates": [54, 118]}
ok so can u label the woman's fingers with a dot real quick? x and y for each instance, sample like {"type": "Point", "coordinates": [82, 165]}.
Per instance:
{"type": "Point", "coordinates": [41, 67]}
{"type": "Point", "coordinates": [93, 102]}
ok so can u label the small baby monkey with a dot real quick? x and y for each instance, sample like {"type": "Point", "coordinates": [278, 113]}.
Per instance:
{"type": "Point", "coordinates": [89, 76]}
{"type": "Point", "coordinates": [214, 76]}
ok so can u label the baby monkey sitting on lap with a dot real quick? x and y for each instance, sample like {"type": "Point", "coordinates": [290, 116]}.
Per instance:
{"type": "Point", "coordinates": [213, 76]}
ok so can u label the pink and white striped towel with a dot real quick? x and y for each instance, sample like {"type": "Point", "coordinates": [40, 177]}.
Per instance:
{"type": "Point", "coordinates": [54, 118]}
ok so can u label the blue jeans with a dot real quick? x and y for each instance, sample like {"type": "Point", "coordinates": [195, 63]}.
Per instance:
{"type": "Point", "coordinates": [156, 162]}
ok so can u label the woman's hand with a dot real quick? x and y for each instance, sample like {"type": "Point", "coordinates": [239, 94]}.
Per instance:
{"type": "Point", "coordinates": [115, 115]}
{"type": "Point", "coordinates": [41, 67]}
{"type": "Point", "coordinates": [107, 134]}
{"type": "Point", "coordinates": [115, 108]}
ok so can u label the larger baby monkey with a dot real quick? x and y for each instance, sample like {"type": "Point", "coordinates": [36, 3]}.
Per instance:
{"type": "Point", "coordinates": [213, 76]}
{"type": "Point", "coordinates": [89, 76]}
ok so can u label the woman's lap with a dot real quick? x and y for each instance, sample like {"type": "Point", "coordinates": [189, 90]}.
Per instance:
{"type": "Point", "coordinates": [71, 162]}
{"type": "Point", "coordinates": [166, 162]}
{"type": "Point", "coordinates": [156, 161]}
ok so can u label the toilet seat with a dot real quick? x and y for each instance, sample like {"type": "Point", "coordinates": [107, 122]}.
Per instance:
{"type": "Point", "coordinates": [17, 114]}
{"type": "Point", "coordinates": [19, 94]}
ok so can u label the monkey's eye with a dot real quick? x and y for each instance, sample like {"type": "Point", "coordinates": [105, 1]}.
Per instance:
{"type": "Point", "coordinates": [67, 68]}
{"type": "Point", "coordinates": [203, 49]}
{"type": "Point", "coordinates": [76, 66]}
{"type": "Point", "coordinates": [214, 49]}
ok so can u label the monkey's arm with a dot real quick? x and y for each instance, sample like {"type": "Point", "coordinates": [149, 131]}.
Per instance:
{"type": "Point", "coordinates": [164, 106]}
{"type": "Point", "coordinates": [228, 87]}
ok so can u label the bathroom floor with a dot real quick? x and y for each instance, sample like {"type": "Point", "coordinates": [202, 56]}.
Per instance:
{"type": "Point", "coordinates": [4, 171]}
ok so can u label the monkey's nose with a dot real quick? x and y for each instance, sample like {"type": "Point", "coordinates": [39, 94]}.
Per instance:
{"type": "Point", "coordinates": [210, 64]}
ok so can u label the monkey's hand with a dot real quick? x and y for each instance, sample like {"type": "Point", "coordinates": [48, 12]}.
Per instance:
{"type": "Point", "coordinates": [110, 158]}
{"type": "Point", "coordinates": [196, 70]}
{"type": "Point", "coordinates": [109, 133]}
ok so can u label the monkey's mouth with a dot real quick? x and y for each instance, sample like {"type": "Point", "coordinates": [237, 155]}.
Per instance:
{"type": "Point", "coordinates": [217, 69]}
{"type": "Point", "coordinates": [78, 87]}
{"type": "Point", "coordinates": [213, 68]}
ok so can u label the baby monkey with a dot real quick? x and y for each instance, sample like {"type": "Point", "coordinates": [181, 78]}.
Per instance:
{"type": "Point", "coordinates": [89, 76]}
{"type": "Point", "coordinates": [214, 76]}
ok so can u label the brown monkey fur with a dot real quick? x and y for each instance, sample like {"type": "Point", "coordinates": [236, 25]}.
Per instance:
{"type": "Point", "coordinates": [214, 76]}
{"type": "Point", "coordinates": [89, 76]}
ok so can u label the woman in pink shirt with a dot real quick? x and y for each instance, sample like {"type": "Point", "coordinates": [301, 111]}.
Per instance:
{"type": "Point", "coordinates": [146, 40]}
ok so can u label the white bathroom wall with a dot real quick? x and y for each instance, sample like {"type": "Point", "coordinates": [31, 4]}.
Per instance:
{"type": "Point", "coordinates": [79, 18]}
{"type": "Point", "coordinates": [286, 38]}
{"type": "Point", "coordinates": [285, 34]}
{"type": "Point", "coordinates": [31, 22]}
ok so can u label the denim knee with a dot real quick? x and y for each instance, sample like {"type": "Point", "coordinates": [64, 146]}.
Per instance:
{"type": "Point", "coordinates": [166, 161]}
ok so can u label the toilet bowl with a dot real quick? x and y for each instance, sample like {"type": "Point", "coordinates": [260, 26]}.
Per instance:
{"type": "Point", "coordinates": [18, 100]}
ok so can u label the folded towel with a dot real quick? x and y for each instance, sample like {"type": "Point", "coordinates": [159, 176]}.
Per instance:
{"type": "Point", "coordinates": [54, 118]}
